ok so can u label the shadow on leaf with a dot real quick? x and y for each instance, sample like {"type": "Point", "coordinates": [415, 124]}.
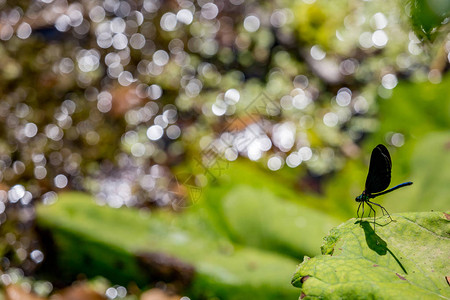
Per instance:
{"type": "Point", "coordinates": [376, 243]}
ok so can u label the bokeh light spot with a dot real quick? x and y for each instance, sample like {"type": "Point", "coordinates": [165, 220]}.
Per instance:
{"type": "Point", "coordinates": [30, 130]}
{"type": "Point", "coordinates": [274, 163]}
{"type": "Point", "coordinates": [389, 81]}
{"type": "Point", "coordinates": [379, 38]}
{"type": "Point", "coordinates": [37, 256]}
{"type": "Point", "coordinates": [160, 58]}
{"type": "Point", "coordinates": [209, 11]}
{"type": "Point", "coordinates": [305, 153]}
{"type": "Point", "coordinates": [155, 132]}
{"type": "Point", "coordinates": [60, 181]}
{"type": "Point", "coordinates": [232, 96]}
{"type": "Point", "coordinates": [24, 31]}
{"type": "Point", "coordinates": [185, 16]}
{"type": "Point", "coordinates": [330, 119]}
{"type": "Point", "coordinates": [251, 23]}
{"type": "Point", "coordinates": [317, 53]}
{"type": "Point", "coordinates": [168, 21]}
{"type": "Point", "coordinates": [294, 160]}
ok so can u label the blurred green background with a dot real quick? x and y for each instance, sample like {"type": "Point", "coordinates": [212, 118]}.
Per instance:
{"type": "Point", "coordinates": [200, 149]}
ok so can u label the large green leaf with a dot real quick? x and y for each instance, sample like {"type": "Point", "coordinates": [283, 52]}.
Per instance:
{"type": "Point", "coordinates": [258, 218]}
{"type": "Point", "coordinates": [254, 207]}
{"type": "Point", "coordinates": [127, 245]}
{"type": "Point", "coordinates": [404, 259]}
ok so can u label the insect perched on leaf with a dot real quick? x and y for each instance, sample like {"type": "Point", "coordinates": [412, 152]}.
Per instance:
{"type": "Point", "coordinates": [378, 180]}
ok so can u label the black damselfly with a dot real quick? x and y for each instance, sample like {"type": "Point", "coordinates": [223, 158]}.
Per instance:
{"type": "Point", "coordinates": [378, 179]}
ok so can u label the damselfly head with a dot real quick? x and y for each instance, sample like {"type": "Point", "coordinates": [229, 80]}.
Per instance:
{"type": "Point", "coordinates": [362, 197]}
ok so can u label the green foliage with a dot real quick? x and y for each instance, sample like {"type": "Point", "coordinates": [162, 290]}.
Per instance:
{"type": "Point", "coordinates": [260, 208]}
{"type": "Point", "coordinates": [427, 16]}
{"type": "Point", "coordinates": [430, 177]}
{"type": "Point", "coordinates": [257, 218]}
{"type": "Point", "coordinates": [404, 259]}
{"type": "Point", "coordinates": [95, 240]}
{"type": "Point", "coordinates": [316, 23]}
{"type": "Point", "coordinates": [415, 109]}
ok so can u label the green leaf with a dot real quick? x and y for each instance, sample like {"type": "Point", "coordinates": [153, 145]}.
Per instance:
{"type": "Point", "coordinates": [427, 16]}
{"type": "Point", "coordinates": [258, 218]}
{"type": "Point", "coordinates": [127, 245]}
{"type": "Point", "coordinates": [259, 208]}
{"type": "Point", "coordinates": [404, 259]}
